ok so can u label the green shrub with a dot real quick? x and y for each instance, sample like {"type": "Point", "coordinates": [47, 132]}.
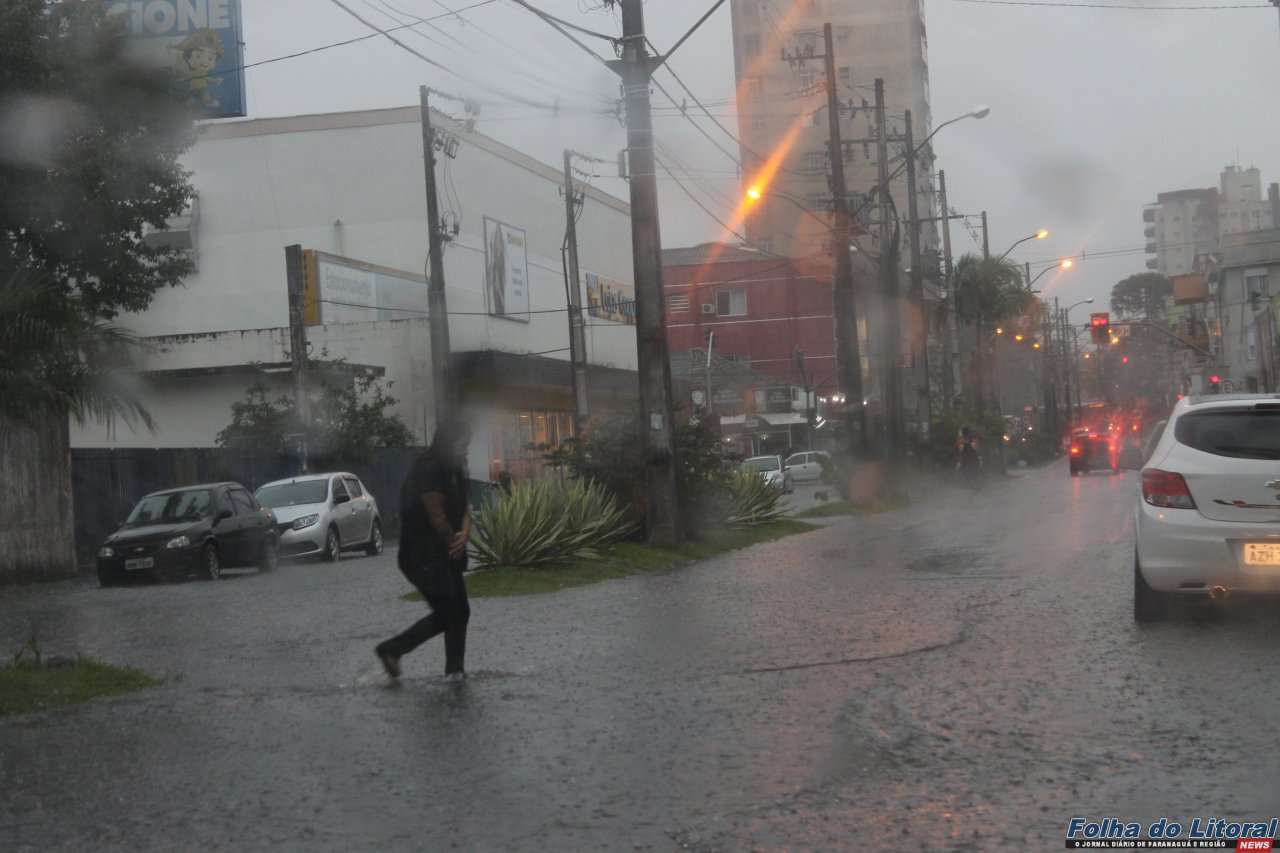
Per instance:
{"type": "Point", "coordinates": [543, 521]}
{"type": "Point", "coordinates": [753, 501]}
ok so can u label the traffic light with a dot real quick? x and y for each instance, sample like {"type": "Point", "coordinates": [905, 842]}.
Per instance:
{"type": "Point", "coordinates": [1100, 327]}
{"type": "Point", "coordinates": [1215, 384]}
{"type": "Point", "coordinates": [1124, 359]}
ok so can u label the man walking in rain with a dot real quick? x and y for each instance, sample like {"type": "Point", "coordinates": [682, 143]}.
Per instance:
{"type": "Point", "coordinates": [435, 523]}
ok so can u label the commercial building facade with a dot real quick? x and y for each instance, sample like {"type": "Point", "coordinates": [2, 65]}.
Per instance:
{"type": "Point", "coordinates": [349, 187]}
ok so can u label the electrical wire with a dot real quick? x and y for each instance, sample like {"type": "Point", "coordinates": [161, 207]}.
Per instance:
{"type": "Point", "coordinates": [696, 201]}
{"type": "Point", "coordinates": [547, 16]}
{"type": "Point", "coordinates": [1059, 5]}
{"type": "Point", "coordinates": [345, 42]}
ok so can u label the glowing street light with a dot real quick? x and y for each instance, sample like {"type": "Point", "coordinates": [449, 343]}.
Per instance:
{"type": "Point", "coordinates": [754, 193]}
{"type": "Point", "coordinates": [1039, 235]}
{"type": "Point", "coordinates": [999, 330]}
{"type": "Point", "coordinates": [1064, 264]}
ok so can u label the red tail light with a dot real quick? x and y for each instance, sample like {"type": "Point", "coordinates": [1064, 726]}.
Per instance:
{"type": "Point", "coordinates": [1166, 489]}
{"type": "Point", "coordinates": [1075, 450]}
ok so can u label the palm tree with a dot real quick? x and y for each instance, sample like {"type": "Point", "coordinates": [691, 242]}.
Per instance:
{"type": "Point", "coordinates": [989, 292]}
{"type": "Point", "coordinates": [59, 361]}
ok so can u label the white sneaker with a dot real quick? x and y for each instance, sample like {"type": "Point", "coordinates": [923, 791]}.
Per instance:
{"type": "Point", "coordinates": [455, 678]}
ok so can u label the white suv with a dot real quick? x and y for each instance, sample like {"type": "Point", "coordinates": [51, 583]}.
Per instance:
{"type": "Point", "coordinates": [1208, 522]}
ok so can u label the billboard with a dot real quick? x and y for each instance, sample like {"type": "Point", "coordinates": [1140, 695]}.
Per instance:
{"type": "Point", "coordinates": [199, 41]}
{"type": "Point", "coordinates": [343, 290]}
{"type": "Point", "coordinates": [506, 271]}
{"type": "Point", "coordinates": [610, 300]}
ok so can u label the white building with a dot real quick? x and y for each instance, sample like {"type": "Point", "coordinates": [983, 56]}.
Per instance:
{"type": "Point", "coordinates": [351, 185]}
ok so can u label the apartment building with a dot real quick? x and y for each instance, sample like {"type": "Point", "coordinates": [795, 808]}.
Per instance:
{"type": "Point", "coordinates": [782, 114]}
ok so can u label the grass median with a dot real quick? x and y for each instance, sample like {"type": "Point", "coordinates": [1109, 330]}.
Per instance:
{"type": "Point", "coordinates": [839, 508]}
{"type": "Point", "coordinates": [620, 561]}
{"type": "Point", "coordinates": [26, 687]}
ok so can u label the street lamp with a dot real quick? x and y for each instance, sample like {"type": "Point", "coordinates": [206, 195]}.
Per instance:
{"type": "Point", "coordinates": [1064, 264]}
{"type": "Point", "coordinates": [1039, 235]}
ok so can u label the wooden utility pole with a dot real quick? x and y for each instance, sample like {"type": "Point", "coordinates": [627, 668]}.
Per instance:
{"type": "Point", "coordinates": [848, 348]}
{"type": "Point", "coordinates": [951, 337]}
{"type": "Point", "coordinates": [437, 306]}
{"type": "Point", "coordinates": [577, 334]}
{"type": "Point", "coordinates": [635, 67]}
{"type": "Point", "coordinates": [890, 310]}
{"type": "Point", "coordinates": [295, 281]}
{"type": "Point", "coordinates": [921, 343]}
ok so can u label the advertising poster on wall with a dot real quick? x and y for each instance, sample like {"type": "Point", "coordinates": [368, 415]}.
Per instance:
{"type": "Point", "coordinates": [506, 271]}
{"type": "Point", "coordinates": [198, 41]}
{"type": "Point", "coordinates": [610, 300]}
{"type": "Point", "coordinates": [343, 290]}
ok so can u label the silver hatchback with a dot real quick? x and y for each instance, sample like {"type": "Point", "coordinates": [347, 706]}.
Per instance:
{"type": "Point", "coordinates": [323, 514]}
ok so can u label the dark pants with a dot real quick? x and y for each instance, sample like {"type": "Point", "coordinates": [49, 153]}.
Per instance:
{"type": "Point", "coordinates": [441, 584]}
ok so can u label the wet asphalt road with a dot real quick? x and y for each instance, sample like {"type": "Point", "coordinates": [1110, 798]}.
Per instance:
{"type": "Point", "coordinates": [961, 675]}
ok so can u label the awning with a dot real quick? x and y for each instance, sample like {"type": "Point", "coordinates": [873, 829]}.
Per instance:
{"type": "Point", "coordinates": [756, 422]}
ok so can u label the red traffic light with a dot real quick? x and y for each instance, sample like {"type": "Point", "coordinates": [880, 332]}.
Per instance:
{"type": "Point", "coordinates": [1100, 320]}
{"type": "Point", "coordinates": [1124, 360]}
{"type": "Point", "coordinates": [1215, 379]}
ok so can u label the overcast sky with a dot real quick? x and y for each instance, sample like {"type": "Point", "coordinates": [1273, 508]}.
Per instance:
{"type": "Point", "coordinates": [1094, 111]}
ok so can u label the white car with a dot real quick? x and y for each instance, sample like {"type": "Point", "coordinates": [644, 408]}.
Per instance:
{"type": "Point", "coordinates": [807, 466]}
{"type": "Point", "coordinates": [1208, 521]}
{"type": "Point", "coordinates": [323, 514]}
{"type": "Point", "coordinates": [772, 471]}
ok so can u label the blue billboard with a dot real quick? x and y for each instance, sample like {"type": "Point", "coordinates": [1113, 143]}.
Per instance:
{"type": "Point", "coordinates": [198, 41]}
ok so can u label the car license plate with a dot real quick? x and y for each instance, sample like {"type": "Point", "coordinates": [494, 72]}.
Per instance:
{"type": "Point", "coordinates": [1262, 553]}
{"type": "Point", "coordinates": [139, 563]}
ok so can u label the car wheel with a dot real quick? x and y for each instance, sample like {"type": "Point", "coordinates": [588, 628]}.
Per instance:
{"type": "Point", "coordinates": [270, 556]}
{"type": "Point", "coordinates": [1148, 605]}
{"type": "Point", "coordinates": [106, 577]}
{"type": "Point", "coordinates": [332, 545]}
{"type": "Point", "coordinates": [211, 562]}
{"type": "Point", "coordinates": [374, 548]}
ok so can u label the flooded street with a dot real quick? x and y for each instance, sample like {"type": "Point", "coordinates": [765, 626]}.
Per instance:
{"type": "Point", "coordinates": [964, 674]}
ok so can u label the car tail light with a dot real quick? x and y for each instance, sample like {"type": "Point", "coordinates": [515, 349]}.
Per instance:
{"type": "Point", "coordinates": [1075, 450]}
{"type": "Point", "coordinates": [1167, 489]}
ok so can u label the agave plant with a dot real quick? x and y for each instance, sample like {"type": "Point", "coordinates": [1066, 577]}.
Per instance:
{"type": "Point", "coordinates": [545, 521]}
{"type": "Point", "coordinates": [753, 501]}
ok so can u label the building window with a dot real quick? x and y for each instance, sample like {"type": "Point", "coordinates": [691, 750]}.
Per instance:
{"type": "Point", "coordinates": [846, 76]}
{"type": "Point", "coordinates": [751, 45]}
{"type": "Point", "coordinates": [1255, 281]}
{"type": "Point", "coordinates": [757, 123]}
{"type": "Point", "coordinates": [815, 161]}
{"type": "Point", "coordinates": [807, 42]}
{"type": "Point", "coordinates": [807, 80]}
{"type": "Point", "coordinates": [1253, 343]}
{"type": "Point", "coordinates": [678, 304]}
{"type": "Point", "coordinates": [842, 34]}
{"type": "Point", "coordinates": [731, 303]}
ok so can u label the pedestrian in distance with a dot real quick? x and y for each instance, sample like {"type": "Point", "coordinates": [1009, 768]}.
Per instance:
{"type": "Point", "coordinates": [968, 459]}
{"type": "Point", "coordinates": [435, 525]}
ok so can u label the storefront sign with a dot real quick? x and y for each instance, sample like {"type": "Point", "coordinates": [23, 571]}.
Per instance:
{"type": "Point", "coordinates": [343, 290]}
{"type": "Point", "coordinates": [198, 41]}
{"type": "Point", "coordinates": [610, 300]}
{"type": "Point", "coordinates": [778, 400]}
{"type": "Point", "coordinates": [506, 271]}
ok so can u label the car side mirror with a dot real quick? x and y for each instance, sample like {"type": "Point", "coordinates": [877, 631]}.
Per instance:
{"type": "Point", "coordinates": [340, 499]}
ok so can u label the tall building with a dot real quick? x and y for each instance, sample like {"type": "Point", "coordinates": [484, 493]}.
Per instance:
{"type": "Point", "coordinates": [782, 113]}
{"type": "Point", "coordinates": [1185, 224]}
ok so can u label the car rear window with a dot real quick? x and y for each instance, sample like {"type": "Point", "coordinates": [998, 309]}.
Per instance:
{"type": "Point", "coordinates": [1239, 433]}
{"type": "Point", "coordinates": [294, 494]}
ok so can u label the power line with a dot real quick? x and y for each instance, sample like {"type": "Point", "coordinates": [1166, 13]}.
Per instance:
{"type": "Point", "coordinates": [1058, 5]}
{"type": "Point", "coordinates": [695, 200]}
{"type": "Point", "coordinates": [345, 42]}
{"type": "Point", "coordinates": [548, 17]}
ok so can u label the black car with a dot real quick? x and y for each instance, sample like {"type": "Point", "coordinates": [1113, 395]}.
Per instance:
{"type": "Point", "coordinates": [201, 529]}
{"type": "Point", "coordinates": [1093, 452]}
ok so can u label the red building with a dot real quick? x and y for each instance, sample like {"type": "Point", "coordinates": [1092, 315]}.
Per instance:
{"type": "Point", "coordinates": [762, 309]}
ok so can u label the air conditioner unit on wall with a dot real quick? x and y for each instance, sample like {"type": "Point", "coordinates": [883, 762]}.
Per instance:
{"type": "Point", "coordinates": [709, 309]}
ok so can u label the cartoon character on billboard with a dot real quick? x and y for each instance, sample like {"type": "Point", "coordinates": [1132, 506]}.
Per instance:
{"type": "Point", "coordinates": [198, 56]}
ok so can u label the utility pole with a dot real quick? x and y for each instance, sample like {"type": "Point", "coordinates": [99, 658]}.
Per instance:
{"type": "Point", "coordinates": [711, 342]}
{"type": "Point", "coordinates": [951, 336]}
{"type": "Point", "coordinates": [635, 67]}
{"type": "Point", "coordinates": [917, 274]}
{"type": "Point", "coordinates": [1046, 360]}
{"type": "Point", "coordinates": [890, 312]}
{"type": "Point", "coordinates": [1064, 359]}
{"type": "Point", "coordinates": [848, 348]}
{"type": "Point", "coordinates": [437, 307]}
{"type": "Point", "coordinates": [986, 239]}
{"type": "Point", "coordinates": [577, 334]}
{"type": "Point", "coordinates": [980, 342]}
{"type": "Point", "coordinates": [295, 281]}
